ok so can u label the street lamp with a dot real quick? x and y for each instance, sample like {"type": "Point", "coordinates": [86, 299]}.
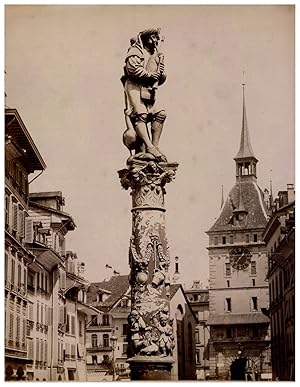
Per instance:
{"type": "Point", "coordinates": [113, 340]}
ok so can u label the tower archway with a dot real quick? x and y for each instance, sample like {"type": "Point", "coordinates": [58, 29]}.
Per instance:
{"type": "Point", "coordinates": [238, 369]}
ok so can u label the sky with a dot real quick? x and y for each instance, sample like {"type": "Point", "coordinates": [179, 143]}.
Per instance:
{"type": "Point", "coordinates": [63, 67]}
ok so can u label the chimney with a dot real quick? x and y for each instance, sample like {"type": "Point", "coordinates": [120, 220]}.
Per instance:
{"type": "Point", "coordinates": [81, 269]}
{"type": "Point", "coordinates": [267, 198]}
{"type": "Point", "coordinates": [176, 276]}
{"type": "Point", "coordinates": [291, 192]}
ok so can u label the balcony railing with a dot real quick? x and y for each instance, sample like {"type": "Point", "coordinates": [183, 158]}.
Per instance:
{"type": "Point", "coordinates": [99, 348]}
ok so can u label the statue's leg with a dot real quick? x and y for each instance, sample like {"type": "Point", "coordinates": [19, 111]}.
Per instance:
{"type": "Point", "coordinates": [142, 130]}
{"type": "Point", "coordinates": [157, 126]}
{"type": "Point", "coordinates": [156, 130]}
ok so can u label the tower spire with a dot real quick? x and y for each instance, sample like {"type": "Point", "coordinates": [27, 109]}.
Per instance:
{"type": "Point", "coordinates": [245, 144]}
{"type": "Point", "coordinates": [222, 197]}
{"type": "Point", "coordinates": [245, 159]}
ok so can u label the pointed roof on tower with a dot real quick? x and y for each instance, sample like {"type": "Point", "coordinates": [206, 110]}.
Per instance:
{"type": "Point", "coordinates": [245, 150]}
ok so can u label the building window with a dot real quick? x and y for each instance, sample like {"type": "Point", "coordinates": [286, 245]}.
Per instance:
{"type": "Point", "coordinates": [253, 267]}
{"type": "Point", "coordinates": [100, 297]}
{"type": "Point", "coordinates": [195, 297]}
{"type": "Point", "coordinates": [105, 340]}
{"type": "Point", "coordinates": [124, 302]}
{"type": "Point", "coordinates": [216, 240]}
{"type": "Point", "coordinates": [227, 269]}
{"type": "Point", "coordinates": [106, 319]}
{"type": "Point", "coordinates": [254, 237]}
{"type": "Point", "coordinates": [80, 328]}
{"type": "Point", "coordinates": [228, 283]}
{"type": "Point", "coordinates": [46, 284]}
{"type": "Point", "coordinates": [198, 361]}
{"type": "Point", "coordinates": [231, 239]}
{"type": "Point", "coordinates": [254, 304]}
{"type": "Point", "coordinates": [7, 205]}
{"type": "Point", "coordinates": [68, 324]}
{"type": "Point", "coordinates": [197, 334]}
{"type": "Point", "coordinates": [229, 334]}
{"type": "Point", "coordinates": [224, 240]}
{"type": "Point", "coordinates": [94, 359]}
{"type": "Point", "coordinates": [247, 238]}
{"type": "Point", "coordinates": [94, 321]}
{"type": "Point", "coordinates": [94, 341]}
{"type": "Point", "coordinates": [253, 281]}
{"type": "Point", "coordinates": [190, 342]}
{"type": "Point", "coordinates": [19, 276]}
{"type": "Point", "coordinates": [125, 348]}
{"type": "Point", "coordinates": [228, 304]}
{"type": "Point", "coordinates": [38, 312]}
{"type": "Point", "coordinates": [12, 276]}
{"type": "Point", "coordinates": [72, 325]}
{"type": "Point", "coordinates": [6, 266]}
{"type": "Point", "coordinates": [125, 329]}
{"type": "Point", "coordinates": [255, 332]}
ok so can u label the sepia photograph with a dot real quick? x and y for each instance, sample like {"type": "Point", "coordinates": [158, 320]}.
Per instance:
{"type": "Point", "coordinates": [149, 223]}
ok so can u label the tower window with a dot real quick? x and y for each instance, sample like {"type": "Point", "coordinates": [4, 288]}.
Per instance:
{"type": "Point", "coordinates": [253, 282]}
{"type": "Point", "coordinates": [216, 240]}
{"type": "Point", "coordinates": [227, 269]}
{"type": "Point", "coordinates": [254, 237]}
{"type": "Point", "coordinates": [228, 283]}
{"type": "Point", "coordinates": [228, 304]}
{"type": "Point", "coordinates": [231, 239]}
{"type": "Point", "coordinates": [254, 304]}
{"type": "Point", "coordinates": [253, 267]}
{"type": "Point", "coordinates": [247, 238]}
{"type": "Point", "coordinates": [224, 240]}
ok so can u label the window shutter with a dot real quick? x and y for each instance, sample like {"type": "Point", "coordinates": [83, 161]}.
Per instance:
{"type": "Point", "coordinates": [30, 349]}
{"type": "Point", "coordinates": [21, 223]}
{"type": "Point", "coordinates": [18, 328]}
{"type": "Point", "coordinates": [24, 331]}
{"type": "Point", "coordinates": [63, 279]}
{"type": "Point", "coordinates": [46, 351]}
{"type": "Point", "coordinates": [42, 350]}
{"type": "Point", "coordinates": [37, 356]}
{"type": "Point", "coordinates": [30, 309]}
{"type": "Point", "coordinates": [72, 325]}
{"type": "Point", "coordinates": [15, 217]}
{"type": "Point", "coordinates": [61, 315]}
{"type": "Point", "coordinates": [28, 230]}
{"type": "Point", "coordinates": [11, 326]}
{"type": "Point", "coordinates": [46, 316]}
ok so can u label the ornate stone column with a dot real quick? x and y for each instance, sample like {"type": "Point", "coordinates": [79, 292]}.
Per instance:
{"type": "Point", "coordinates": [151, 340]}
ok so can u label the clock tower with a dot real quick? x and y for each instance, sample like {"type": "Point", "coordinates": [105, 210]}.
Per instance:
{"type": "Point", "coordinates": [238, 291]}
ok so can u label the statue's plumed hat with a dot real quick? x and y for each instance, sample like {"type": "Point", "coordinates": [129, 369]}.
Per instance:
{"type": "Point", "coordinates": [150, 31]}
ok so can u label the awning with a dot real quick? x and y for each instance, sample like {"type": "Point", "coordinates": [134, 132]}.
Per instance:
{"type": "Point", "coordinates": [237, 319]}
{"type": "Point", "coordinates": [87, 309]}
{"type": "Point", "coordinates": [47, 257]}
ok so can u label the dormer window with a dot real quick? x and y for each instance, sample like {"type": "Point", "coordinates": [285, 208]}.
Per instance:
{"type": "Point", "coordinates": [124, 302]}
{"type": "Point", "coordinates": [100, 297]}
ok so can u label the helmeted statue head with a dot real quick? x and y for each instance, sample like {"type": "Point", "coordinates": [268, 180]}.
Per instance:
{"type": "Point", "coordinates": [150, 31]}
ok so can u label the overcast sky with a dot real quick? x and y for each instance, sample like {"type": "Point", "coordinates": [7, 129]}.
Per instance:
{"type": "Point", "coordinates": [63, 66]}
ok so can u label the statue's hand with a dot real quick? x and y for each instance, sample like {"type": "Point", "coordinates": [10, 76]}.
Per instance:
{"type": "Point", "coordinates": [155, 76]}
{"type": "Point", "coordinates": [161, 67]}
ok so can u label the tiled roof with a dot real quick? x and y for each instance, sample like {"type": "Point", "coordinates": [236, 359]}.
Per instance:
{"type": "Point", "coordinates": [237, 318]}
{"type": "Point", "coordinates": [117, 285]}
{"type": "Point", "coordinates": [173, 289]}
{"type": "Point", "coordinates": [252, 197]}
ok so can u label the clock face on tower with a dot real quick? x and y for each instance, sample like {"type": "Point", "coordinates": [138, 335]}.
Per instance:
{"type": "Point", "coordinates": [240, 258]}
